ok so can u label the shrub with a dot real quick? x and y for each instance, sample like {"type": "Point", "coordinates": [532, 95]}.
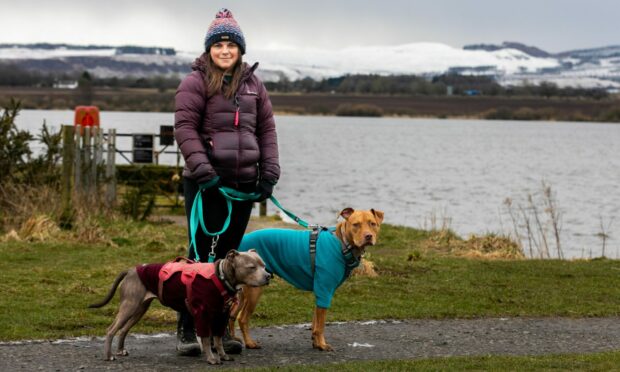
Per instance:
{"type": "Point", "coordinates": [14, 148]}
{"type": "Point", "coordinates": [138, 202]}
{"type": "Point", "coordinates": [359, 110]}
{"type": "Point", "coordinates": [611, 115]}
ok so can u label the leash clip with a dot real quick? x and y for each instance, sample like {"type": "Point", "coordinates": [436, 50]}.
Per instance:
{"type": "Point", "coordinates": [213, 245]}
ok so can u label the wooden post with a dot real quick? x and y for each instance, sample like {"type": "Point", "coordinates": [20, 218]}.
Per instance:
{"type": "Point", "coordinates": [68, 151]}
{"type": "Point", "coordinates": [262, 211]}
{"type": "Point", "coordinates": [95, 162]}
{"type": "Point", "coordinates": [87, 163]}
{"type": "Point", "coordinates": [77, 183]}
{"type": "Point", "coordinates": [110, 170]}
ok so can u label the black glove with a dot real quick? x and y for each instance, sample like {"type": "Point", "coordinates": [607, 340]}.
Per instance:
{"type": "Point", "coordinates": [211, 185]}
{"type": "Point", "coordinates": [265, 189]}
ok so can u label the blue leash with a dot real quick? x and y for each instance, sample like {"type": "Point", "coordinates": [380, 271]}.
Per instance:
{"type": "Point", "coordinates": [197, 216]}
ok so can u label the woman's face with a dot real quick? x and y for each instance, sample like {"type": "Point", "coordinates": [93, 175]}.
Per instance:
{"type": "Point", "coordinates": [224, 54]}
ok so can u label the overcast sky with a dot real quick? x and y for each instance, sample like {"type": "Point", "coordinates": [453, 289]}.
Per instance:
{"type": "Point", "coordinates": [553, 25]}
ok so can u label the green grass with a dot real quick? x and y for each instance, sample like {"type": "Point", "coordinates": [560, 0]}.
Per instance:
{"type": "Point", "coordinates": [609, 361]}
{"type": "Point", "coordinates": [46, 286]}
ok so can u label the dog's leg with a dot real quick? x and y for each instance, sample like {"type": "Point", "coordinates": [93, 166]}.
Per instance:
{"type": "Point", "coordinates": [251, 297]}
{"type": "Point", "coordinates": [126, 310]}
{"type": "Point", "coordinates": [318, 331]}
{"type": "Point", "coordinates": [133, 321]}
{"type": "Point", "coordinates": [219, 347]}
{"type": "Point", "coordinates": [313, 324]}
{"type": "Point", "coordinates": [132, 292]}
{"type": "Point", "coordinates": [206, 347]}
{"type": "Point", "coordinates": [235, 310]}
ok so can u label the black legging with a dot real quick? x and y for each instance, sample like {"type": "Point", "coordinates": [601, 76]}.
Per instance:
{"type": "Point", "coordinates": [215, 213]}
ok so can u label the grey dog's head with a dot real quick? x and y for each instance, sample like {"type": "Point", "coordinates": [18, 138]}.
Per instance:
{"type": "Point", "coordinates": [248, 268]}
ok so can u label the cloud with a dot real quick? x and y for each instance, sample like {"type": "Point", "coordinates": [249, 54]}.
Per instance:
{"type": "Point", "coordinates": [551, 24]}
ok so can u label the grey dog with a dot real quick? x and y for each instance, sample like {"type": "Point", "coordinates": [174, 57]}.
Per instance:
{"type": "Point", "coordinates": [235, 270]}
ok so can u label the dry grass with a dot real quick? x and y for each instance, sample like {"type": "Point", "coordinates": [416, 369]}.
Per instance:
{"type": "Point", "coordinates": [366, 268]}
{"type": "Point", "coordinates": [446, 243]}
{"type": "Point", "coordinates": [22, 206]}
{"type": "Point", "coordinates": [38, 228]}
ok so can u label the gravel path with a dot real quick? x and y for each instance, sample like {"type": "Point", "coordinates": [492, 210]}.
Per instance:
{"type": "Point", "coordinates": [373, 340]}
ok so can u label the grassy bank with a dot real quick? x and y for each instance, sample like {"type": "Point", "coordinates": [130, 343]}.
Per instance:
{"type": "Point", "coordinates": [47, 285]}
{"type": "Point", "coordinates": [483, 107]}
{"type": "Point", "coordinates": [568, 362]}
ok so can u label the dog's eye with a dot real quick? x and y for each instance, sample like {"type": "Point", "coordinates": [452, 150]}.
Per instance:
{"type": "Point", "coordinates": [357, 224]}
{"type": "Point", "coordinates": [373, 224]}
{"type": "Point", "coordinates": [251, 267]}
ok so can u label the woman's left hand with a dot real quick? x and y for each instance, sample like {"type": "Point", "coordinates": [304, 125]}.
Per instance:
{"type": "Point", "coordinates": [265, 189]}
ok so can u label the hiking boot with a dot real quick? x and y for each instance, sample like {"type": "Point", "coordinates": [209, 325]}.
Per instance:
{"type": "Point", "coordinates": [187, 344]}
{"type": "Point", "coordinates": [231, 346]}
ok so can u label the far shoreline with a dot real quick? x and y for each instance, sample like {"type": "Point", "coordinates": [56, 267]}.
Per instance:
{"type": "Point", "coordinates": [342, 105]}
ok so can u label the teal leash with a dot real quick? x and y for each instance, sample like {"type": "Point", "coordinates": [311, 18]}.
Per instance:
{"type": "Point", "coordinates": [290, 214]}
{"type": "Point", "coordinates": [197, 216]}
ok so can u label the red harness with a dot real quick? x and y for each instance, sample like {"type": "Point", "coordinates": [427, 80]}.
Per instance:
{"type": "Point", "coordinates": [189, 270]}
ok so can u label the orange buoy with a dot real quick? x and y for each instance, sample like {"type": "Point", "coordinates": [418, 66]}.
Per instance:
{"type": "Point", "coordinates": [86, 116]}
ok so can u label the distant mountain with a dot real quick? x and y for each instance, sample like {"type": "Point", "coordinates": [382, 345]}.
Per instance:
{"type": "Point", "coordinates": [529, 50]}
{"type": "Point", "coordinates": [128, 49]}
{"type": "Point", "coordinates": [99, 60]}
{"type": "Point", "coordinates": [595, 53]}
{"type": "Point", "coordinates": [511, 63]}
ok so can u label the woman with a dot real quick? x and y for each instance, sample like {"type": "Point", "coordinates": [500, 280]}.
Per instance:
{"type": "Point", "coordinates": [225, 130]}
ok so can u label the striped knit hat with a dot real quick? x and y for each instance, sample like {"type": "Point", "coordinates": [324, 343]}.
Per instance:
{"type": "Point", "coordinates": [224, 27]}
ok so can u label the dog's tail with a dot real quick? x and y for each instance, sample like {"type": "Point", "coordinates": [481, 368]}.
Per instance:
{"type": "Point", "coordinates": [107, 299]}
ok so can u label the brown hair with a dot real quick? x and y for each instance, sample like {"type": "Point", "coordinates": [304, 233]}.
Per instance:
{"type": "Point", "coordinates": [214, 78]}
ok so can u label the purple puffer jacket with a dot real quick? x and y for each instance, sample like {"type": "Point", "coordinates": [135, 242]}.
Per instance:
{"type": "Point", "coordinates": [211, 144]}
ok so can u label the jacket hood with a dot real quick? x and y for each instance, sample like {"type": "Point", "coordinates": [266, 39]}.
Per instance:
{"type": "Point", "coordinates": [200, 64]}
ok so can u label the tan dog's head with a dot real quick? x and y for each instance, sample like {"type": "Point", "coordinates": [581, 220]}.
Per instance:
{"type": "Point", "coordinates": [360, 228]}
{"type": "Point", "coordinates": [248, 268]}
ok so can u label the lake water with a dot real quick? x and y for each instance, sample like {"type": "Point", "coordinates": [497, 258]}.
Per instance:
{"type": "Point", "coordinates": [422, 172]}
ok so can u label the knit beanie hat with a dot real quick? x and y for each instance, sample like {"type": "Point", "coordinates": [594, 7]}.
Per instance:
{"type": "Point", "coordinates": [224, 28]}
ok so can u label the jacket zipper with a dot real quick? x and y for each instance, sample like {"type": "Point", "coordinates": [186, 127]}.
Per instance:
{"type": "Point", "coordinates": [237, 110]}
{"type": "Point", "coordinates": [238, 133]}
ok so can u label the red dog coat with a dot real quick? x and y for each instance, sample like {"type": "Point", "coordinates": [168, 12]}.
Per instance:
{"type": "Point", "coordinates": [190, 285]}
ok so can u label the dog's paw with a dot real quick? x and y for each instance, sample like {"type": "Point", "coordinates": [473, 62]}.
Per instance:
{"type": "Point", "coordinates": [252, 345]}
{"type": "Point", "coordinates": [323, 347]}
{"type": "Point", "coordinates": [214, 360]}
{"type": "Point", "coordinates": [122, 352]}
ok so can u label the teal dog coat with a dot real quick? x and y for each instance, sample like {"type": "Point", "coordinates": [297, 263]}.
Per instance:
{"type": "Point", "coordinates": [286, 253]}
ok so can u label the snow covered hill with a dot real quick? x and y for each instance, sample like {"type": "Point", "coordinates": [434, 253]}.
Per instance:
{"type": "Point", "coordinates": [509, 63]}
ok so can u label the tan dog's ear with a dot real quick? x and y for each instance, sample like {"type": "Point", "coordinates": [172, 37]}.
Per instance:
{"type": "Point", "coordinates": [346, 213]}
{"type": "Point", "coordinates": [378, 215]}
{"type": "Point", "coordinates": [232, 254]}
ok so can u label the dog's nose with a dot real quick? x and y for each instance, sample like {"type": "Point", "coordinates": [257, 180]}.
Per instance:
{"type": "Point", "coordinates": [368, 237]}
{"type": "Point", "coordinates": [268, 276]}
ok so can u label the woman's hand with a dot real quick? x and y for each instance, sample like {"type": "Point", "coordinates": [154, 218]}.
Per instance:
{"type": "Point", "coordinates": [265, 189]}
{"type": "Point", "coordinates": [213, 184]}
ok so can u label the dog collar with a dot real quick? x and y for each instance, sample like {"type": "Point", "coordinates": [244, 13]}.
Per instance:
{"type": "Point", "coordinates": [346, 247]}
{"type": "Point", "coordinates": [224, 286]}
{"type": "Point", "coordinates": [351, 262]}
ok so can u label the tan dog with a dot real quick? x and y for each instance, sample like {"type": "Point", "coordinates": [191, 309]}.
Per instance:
{"type": "Point", "coordinates": [206, 289]}
{"type": "Point", "coordinates": [287, 253]}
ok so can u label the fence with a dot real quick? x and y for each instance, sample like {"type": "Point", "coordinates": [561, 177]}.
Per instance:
{"type": "Point", "coordinates": [83, 166]}
{"type": "Point", "coordinates": [85, 173]}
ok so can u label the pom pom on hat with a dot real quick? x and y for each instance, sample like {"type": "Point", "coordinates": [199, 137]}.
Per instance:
{"type": "Point", "coordinates": [224, 28]}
